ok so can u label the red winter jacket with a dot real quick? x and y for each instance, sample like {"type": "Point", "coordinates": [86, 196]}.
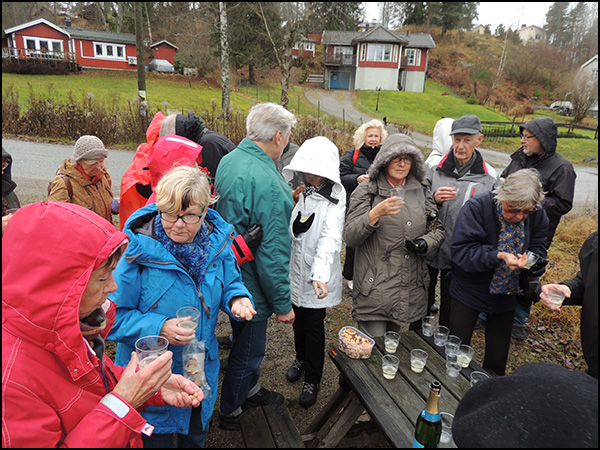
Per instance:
{"type": "Point", "coordinates": [52, 384]}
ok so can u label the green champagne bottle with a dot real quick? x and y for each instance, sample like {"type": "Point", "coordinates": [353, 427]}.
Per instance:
{"type": "Point", "coordinates": [429, 423]}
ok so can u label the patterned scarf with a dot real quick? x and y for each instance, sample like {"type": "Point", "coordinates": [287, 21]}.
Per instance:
{"type": "Point", "coordinates": [193, 256]}
{"type": "Point", "coordinates": [309, 190]}
{"type": "Point", "coordinates": [511, 240]}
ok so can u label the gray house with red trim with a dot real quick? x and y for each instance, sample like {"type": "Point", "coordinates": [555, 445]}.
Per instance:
{"type": "Point", "coordinates": [376, 59]}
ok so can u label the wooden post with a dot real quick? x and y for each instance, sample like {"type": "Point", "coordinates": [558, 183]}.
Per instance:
{"type": "Point", "coordinates": [141, 69]}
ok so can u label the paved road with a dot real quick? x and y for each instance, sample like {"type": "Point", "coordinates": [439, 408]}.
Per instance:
{"type": "Point", "coordinates": [339, 103]}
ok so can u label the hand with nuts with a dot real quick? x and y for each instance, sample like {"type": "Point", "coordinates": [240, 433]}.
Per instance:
{"type": "Point", "coordinates": [180, 392]}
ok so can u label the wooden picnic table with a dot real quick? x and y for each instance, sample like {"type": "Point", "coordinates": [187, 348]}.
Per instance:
{"type": "Point", "coordinates": [393, 405]}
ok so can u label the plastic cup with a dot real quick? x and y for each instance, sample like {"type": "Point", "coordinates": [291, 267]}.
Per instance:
{"type": "Point", "coordinates": [446, 435]}
{"type": "Point", "coordinates": [150, 348]}
{"type": "Point", "coordinates": [452, 369]}
{"type": "Point", "coordinates": [397, 191]}
{"type": "Point", "coordinates": [391, 340]}
{"type": "Point", "coordinates": [440, 336]}
{"type": "Point", "coordinates": [191, 314]}
{"type": "Point", "coordinates": [555, 297]}
{"type": "Point", "coordinates": [477, 376]}
{"type": "Point", "coordinates": [531, 259]}
{"type": "Point", "coordinates": [452, 345]}
{"type": "Point", "coordinates": [465, 355]}
{"type": "Point", "coordinates": [428, 325]}
{"type": "Point", "coordinates": [418, 359]}
{"type": "Point", "coordinates": [389, 365]}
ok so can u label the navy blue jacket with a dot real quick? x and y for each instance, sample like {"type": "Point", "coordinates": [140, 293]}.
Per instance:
{"type": "Point", "coordinates": [475, 253]}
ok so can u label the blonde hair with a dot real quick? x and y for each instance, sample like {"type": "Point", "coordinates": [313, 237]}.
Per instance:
{"type": "Point", "coordinates": [361, 133]}
{"type": "Point", "coordinates": [182, 187]}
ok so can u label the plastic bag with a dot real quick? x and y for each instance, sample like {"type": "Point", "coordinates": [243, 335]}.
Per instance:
{"type": "Point", "coordinates": [193, 357]}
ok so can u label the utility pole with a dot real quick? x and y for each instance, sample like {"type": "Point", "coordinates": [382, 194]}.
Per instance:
{"type": "Point", "coordinates": [140, 53]}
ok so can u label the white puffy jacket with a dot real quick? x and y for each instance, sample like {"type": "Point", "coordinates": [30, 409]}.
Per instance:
{"type": "Point", "coordinates": [316, 252]}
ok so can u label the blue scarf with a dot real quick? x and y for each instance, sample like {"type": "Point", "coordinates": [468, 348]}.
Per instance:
{"type": "Point", "coordinates": [193, 256]}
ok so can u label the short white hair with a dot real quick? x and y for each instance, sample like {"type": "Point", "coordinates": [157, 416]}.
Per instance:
{"type": "Point", "coordinates": [266, 119]}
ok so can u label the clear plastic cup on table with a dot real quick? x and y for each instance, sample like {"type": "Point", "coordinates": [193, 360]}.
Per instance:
{"type": "Point", "coordinates": [428, 325]}
{"type": "Point", "coordinates": [446, 435]}
{"type": "Point", "coordinates": [452, 368]}
{"type": "Point", "coordinates": [452, 345]}
{"type": "Point", "coordinates": [478, 376]}
{"type": "Point", "coordinates": [389, 365]}
{"type": "Point", "coordinates": [391, 341]}
{"type": "Point", "coordinates": [465, 355]}
{"type": "Point", "coordinates": [418, 359]}
{"type": "Point", "coordinates": [440, 335]}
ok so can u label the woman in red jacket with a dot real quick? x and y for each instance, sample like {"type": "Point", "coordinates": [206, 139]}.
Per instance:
{"type": "Point", "coordinates": [58, 386]}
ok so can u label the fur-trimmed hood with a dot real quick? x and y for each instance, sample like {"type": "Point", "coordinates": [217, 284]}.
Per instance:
{"type": "Point", "coordinates": [397, 145]}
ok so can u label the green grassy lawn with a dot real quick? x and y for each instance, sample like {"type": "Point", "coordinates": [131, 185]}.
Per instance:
{"type": "Point", "coordinates": [422, 111]}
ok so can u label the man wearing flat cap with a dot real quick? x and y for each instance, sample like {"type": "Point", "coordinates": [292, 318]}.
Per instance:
{"type": "Point", "coordinates": [82, 178]}
{"type": "Point", "coordinates": [460, 175]}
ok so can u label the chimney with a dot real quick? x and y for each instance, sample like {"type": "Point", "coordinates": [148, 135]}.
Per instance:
{"type": "Point", "coordinates": [68, 22]}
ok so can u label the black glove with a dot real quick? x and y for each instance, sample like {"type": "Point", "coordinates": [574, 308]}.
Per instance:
{"type": "Point", "coordinates": [418, 246]}
{"type": "Point", "coordinates": [299, 227]}
{"type": "Point", "coordinates": [253, 236]}
{"type": "Point", "coordinates": [538, 268]}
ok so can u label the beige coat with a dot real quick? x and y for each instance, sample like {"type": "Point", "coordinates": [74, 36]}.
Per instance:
{"type": "Point", "coordinates": [95, 197]}
{"type": "Point", "coordinates": [390, 282]}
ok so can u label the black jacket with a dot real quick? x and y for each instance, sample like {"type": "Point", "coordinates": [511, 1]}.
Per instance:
{"type": "Point", "coordinates": [556, 173]}
{"type": "Point", "coordinates": [214, 145]}
{"type": "Point", "coordinates": [350, 170]}
{"type": "Point", "coordinates": [584, 291]}
{"type": "Point", "coordinates": [9, 197]}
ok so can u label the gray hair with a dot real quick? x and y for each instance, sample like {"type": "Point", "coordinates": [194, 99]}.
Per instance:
{"type": "Point", "coordinates": [361, 133]}
{"type": "Point", "coordinates": [182, 187]}
{"type": "Point", "coordinates": [168, 125]}
{"type": "Point", "coordinates": [266, 119]}
{"type": "Point", "coordinates": [522, 189]}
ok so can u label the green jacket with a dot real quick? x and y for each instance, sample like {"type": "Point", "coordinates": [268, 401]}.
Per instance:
{"type": "Point", "coordinates": [251, 191]}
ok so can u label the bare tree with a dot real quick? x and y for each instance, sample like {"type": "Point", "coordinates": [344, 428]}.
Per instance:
{"type": "Point", "coordinates": [584, 95]}
{"type": "Point", "coordinates": [224, 60]}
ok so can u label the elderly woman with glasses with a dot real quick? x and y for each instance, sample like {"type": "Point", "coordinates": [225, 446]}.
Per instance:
{"type": "Point", "coordinates": [493, 234]}
{"type": "Point", "coordinates": [179, 255]}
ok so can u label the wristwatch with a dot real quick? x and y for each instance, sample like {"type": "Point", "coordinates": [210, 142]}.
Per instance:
{"type": "Point", "coordinates": [116, 405]}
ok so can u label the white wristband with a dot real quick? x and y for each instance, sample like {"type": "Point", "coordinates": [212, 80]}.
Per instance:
{"type": "Point", "coordinates": [116, 405]}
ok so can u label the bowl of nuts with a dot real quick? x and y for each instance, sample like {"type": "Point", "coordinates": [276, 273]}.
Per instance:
{"type": "Point", "coordinates": [355, 343]}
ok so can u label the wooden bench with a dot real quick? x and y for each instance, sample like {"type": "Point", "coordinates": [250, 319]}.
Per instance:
{"type": "Point", "coordinates": [270, 426]}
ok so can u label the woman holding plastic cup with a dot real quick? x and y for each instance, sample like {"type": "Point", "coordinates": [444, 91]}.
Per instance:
{"type": "Point", "coordinates": [392, 236]}
{"type": "Point", "coordinates": [179, 255]}
{"type": "Point", "coordinates": [60, 388]}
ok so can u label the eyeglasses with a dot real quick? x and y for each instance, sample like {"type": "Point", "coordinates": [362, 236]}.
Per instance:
{"type": "Point", "coordinates": [526, 137]}
{"type": "Point", "coordinates": [525, 212]}
{"type": "Point", "coordinates": [188, 219]}
{"type": "Point", "coordinates": [402, 159]}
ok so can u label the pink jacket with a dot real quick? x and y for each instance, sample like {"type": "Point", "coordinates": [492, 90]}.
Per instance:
{"type": "Point", "coordinates": [52, 384]}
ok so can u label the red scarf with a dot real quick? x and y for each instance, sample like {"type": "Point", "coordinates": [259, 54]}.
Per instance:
{"type": "Point", "coordinates": [87, 177]}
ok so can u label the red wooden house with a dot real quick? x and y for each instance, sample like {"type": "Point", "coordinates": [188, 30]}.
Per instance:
{"type": "Point", "coordinates": [164, 50]}
{"type": "Point", "coordinates": [90, 49]}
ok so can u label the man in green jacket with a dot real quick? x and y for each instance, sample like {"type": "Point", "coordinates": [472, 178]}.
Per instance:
{"type": "Point", "coordinates": [251, 191]}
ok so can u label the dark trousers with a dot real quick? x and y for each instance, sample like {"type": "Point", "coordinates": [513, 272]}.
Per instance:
{"type": "Point", "coordinates": [348, 269]}
{"type": "Point", "coordinates": [498, 328]}
{"type": "Point", "coordinates": [445, 300]}
{"type": "Point", "coordinates": [309, 339]}
{"type": "Point", "coordinates": [195, 439]}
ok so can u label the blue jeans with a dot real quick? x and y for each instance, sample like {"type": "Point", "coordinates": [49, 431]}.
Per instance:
{"type": "Point", "coordinates": [245, 357]}
{"type": "Point", "coordinates": [195, 439]}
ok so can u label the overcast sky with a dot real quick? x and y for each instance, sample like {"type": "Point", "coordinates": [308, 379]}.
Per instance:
{"type": "Point", "coordinates": [510, 14]}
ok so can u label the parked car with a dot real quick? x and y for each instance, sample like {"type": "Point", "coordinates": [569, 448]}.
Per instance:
{"type": "Point", "coordinates": [161, 65]}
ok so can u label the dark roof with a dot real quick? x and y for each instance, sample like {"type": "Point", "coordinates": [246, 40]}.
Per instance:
{"type": "Point", "coordinates": [378, 34]}
{"type": "Point", "coordinates": [102, 36]}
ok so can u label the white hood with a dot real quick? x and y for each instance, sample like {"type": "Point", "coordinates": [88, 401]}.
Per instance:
{"type": "Point", "coordinates": [317, 156]}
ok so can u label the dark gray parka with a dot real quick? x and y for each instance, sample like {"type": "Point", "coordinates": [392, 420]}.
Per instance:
{"type": "Point", "coordinates": [390, 282]}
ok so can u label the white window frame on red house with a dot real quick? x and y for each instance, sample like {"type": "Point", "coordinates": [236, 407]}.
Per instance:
{"type": "Point", "coordinates": [380, 52]}
{"type": "Point", "coordinates": [38, 45]}
{"type": "Point", "coordinates": [413, 57]}
{"type": "Point", "coordinates": [104, 50]}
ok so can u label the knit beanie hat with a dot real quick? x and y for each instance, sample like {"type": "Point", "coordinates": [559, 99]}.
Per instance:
{"type": "Point", "coordinates": [541, 405]}
{"type": "Point", "coordinates": [89, 147]}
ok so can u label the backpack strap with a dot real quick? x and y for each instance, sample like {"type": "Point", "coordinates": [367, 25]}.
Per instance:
{"type": "Point", "coordinates": [355, 156]}
{"type": "Point", "coordinates": [68, 185]}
